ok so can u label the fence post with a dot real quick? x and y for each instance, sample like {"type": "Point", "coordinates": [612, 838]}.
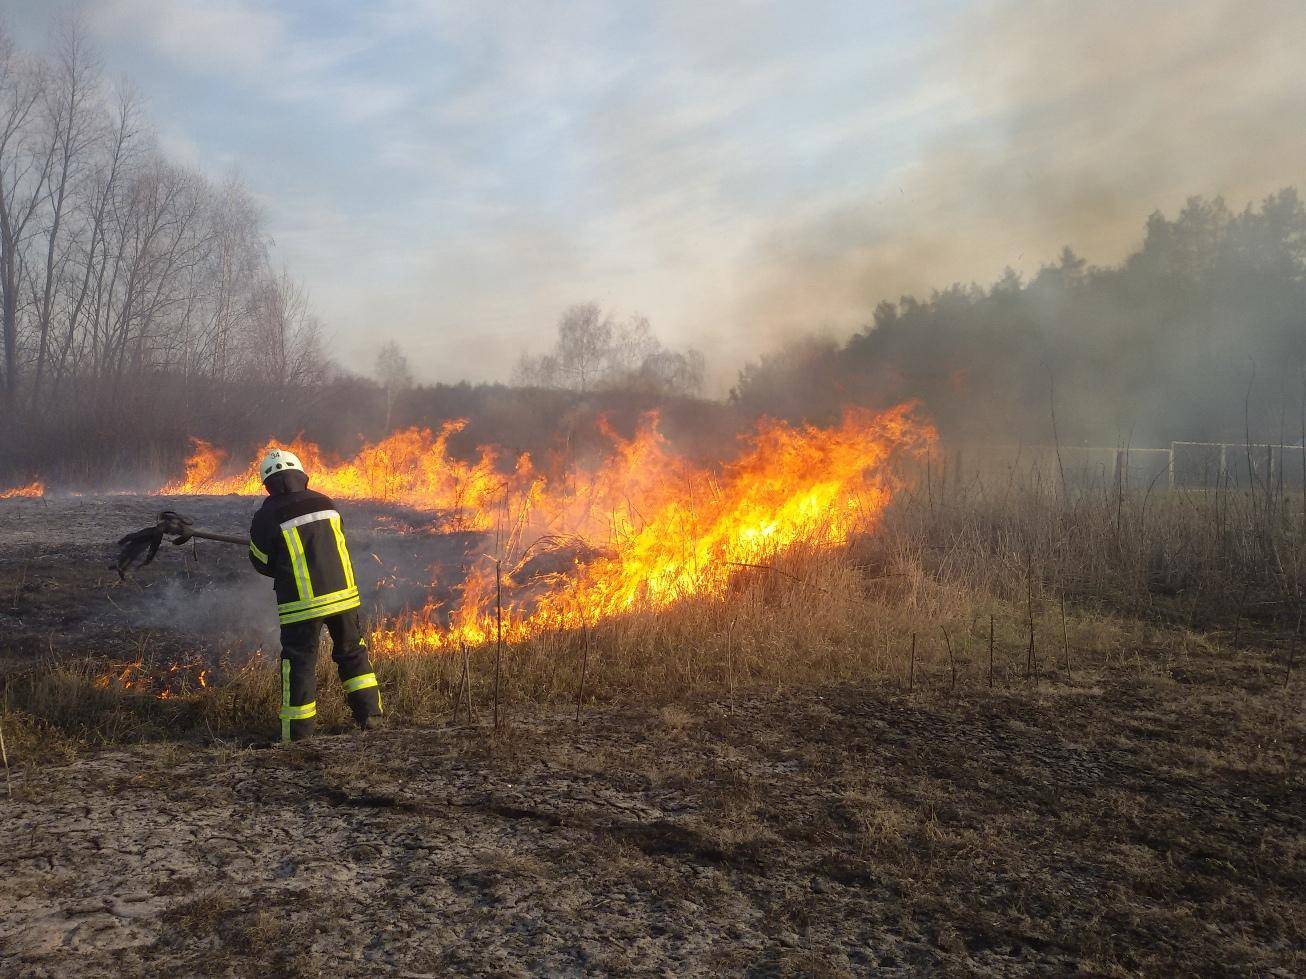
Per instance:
{"type": "Point", "coordinates": [1170, 468]}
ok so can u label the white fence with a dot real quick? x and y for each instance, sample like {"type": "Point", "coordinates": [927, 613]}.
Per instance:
{"type": "Point", "coordinates": [1209, 465]}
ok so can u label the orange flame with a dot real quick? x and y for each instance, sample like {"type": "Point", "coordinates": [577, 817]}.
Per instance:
{"type": "Point", "coordinates": [141, 678]}
{"type": "Point", "coordinates": [412, 467]}
{"type": "Point", "coordinates": [33, 489]}
{"type": "Point", "coordinates": [674, 531]}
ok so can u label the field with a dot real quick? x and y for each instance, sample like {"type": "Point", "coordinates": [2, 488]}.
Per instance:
{"type": "Point", "coordinates": [820, 774]}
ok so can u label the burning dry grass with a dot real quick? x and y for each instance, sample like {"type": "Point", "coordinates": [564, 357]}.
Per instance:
{"type": "Point", "coordinates": [923, 605]}
{"type": "Point", "coordinates": [413, 467]}
{"type": "Point", "coordinates": [974, 588]}
{"type": "Point", "coordinates": [656, 528]}
{"type": "Point", "coordinates": [32, 490]}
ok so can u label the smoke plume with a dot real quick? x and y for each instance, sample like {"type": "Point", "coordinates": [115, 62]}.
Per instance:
{"type": "Point", "coordinates": [1061, 123]}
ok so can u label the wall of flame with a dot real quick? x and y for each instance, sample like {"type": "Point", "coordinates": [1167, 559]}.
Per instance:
{"type": "Point", "coordinates": [663, 528]}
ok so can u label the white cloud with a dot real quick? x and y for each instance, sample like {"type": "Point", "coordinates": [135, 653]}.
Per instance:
{"type": "Point", "coordinates": [180, 147]}
{"type": "Point", "coordinates": [197, 34]}
{"type": "Point", "coordinates": [259, 48]}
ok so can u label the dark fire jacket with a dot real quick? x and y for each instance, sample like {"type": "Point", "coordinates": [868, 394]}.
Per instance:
{"type": "Point", "coordinates": [297, 540]}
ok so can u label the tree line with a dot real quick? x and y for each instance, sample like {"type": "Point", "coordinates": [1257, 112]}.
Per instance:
{"type": "Point", "coordinates": [1198, 334]}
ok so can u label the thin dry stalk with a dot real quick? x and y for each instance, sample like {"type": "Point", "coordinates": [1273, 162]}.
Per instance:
{"type": "Point", "coordinates": [1029, 601]}
{"type": "Point", "coordinates": [990, 650]}
{"type": "Point", "coordinates": [1065, 640]}
{"type": "Point", "coordinates": [467, 679]}
{"type": "Point", "coordinates": [4, 753]}
{"type": "Point", "coordinates": [458, 697]}
{"type": "Point", "coordinates": [462, 686]}
{"type": "Point", "coordinates": [911, 669]}
{"type": "Point", "coordinates": [498, 645]}
{"type": "Point", "coordinates": [1292, 650]}
{"type": "Point", "coordinates": [584, 670]}
{"type": "Point", "coordinates": [1238, 617]}
{"type": "Point", "coordinates": [952, 662]}
{"type": "Point", "coordinates": [1056, 438]}
{"type": "Point", "coordinates": [730, 660]}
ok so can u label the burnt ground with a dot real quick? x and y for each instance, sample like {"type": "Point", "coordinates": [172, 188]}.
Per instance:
{"type": "Point", "coordinates": [195, 604]}
{"type": "Point", "coordinates": [1129, 823]}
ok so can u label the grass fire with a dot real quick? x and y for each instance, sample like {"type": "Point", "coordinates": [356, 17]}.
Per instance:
{"type": "Point", "coordinates": [598, 494]}
{"type": "Point", "coordinates": [655, 528]}
{"type": "Point", "coordinates": [33, 489]}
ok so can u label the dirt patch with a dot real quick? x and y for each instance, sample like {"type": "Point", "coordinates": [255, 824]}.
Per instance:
{"type": "Point", "coordinates": [850, 832]}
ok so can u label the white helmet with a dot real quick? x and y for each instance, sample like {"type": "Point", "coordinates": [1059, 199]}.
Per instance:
{"type": "Point", "coordinates": [278, 460]}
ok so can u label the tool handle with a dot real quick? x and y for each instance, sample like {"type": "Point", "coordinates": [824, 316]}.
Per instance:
{"type": "Point", "coordinates": [225, 538]}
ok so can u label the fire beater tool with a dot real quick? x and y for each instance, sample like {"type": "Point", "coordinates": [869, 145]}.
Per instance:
{"type": "Point", "coordinates": [140, 546]}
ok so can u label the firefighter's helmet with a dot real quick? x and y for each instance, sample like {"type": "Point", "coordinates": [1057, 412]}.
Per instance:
{"type": "Point", "coordinates": [276, 461]}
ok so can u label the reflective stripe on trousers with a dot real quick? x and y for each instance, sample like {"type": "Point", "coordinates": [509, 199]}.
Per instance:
{"type": "Point", "coordinates": [292, 712]}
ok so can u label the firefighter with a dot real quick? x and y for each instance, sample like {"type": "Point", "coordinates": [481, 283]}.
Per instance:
{"type": "Point", "coordinates": [298, 541]}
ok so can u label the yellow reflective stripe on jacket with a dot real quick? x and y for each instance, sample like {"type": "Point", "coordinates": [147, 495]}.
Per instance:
{"type": "Point", "coordinates": [299, 562]}
{"type": "Point", "coordinates": [330, 598]}
{"type": "Point", "coordinates": [253, 549]}
{"type": "Point", "coordinates": [320, 607]}
{"type": "Point", "coordinates": [317, 613]}
{"type": "Point", "coordinates": [362, 682]}
{"type": "Point", "coordinates": [345, 563]}
{"type": "Point", "coordinates": [300, 713]}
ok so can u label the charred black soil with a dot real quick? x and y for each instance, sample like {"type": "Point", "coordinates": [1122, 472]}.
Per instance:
{"type": "Point", "coordinates": [195, 604]}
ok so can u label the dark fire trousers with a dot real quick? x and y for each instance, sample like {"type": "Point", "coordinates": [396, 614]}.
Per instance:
{"type": "Point", "coordinates": [299, 643]}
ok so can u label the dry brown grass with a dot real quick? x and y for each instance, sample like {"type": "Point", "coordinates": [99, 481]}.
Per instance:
{"type": "Point", "coordinates": [1114, 581]}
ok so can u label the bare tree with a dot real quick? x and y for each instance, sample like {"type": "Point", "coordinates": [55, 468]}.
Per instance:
{"type": "Point", "coordinates": [240, 257]}
{"type": "Point", "coordinates": [98, 196]}
{"type": "Point", "coordinates": [70, 104]}
{"type": "Point", "coordinates": [584, 343]}
{"type": "Point", "coordinates": [285, 339]}
{"type": "Point", "coordinates": [632, 344]}
{"type": "Point", "coordinates": [594, 351]}
{"type": "Point", "coordinates": [393, 372]}
{"type": "Point", "coordinates": [24, 169]}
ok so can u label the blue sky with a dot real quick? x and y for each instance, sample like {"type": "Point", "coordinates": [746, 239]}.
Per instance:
{"type": "Point", "coordinates": [451, 175]}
